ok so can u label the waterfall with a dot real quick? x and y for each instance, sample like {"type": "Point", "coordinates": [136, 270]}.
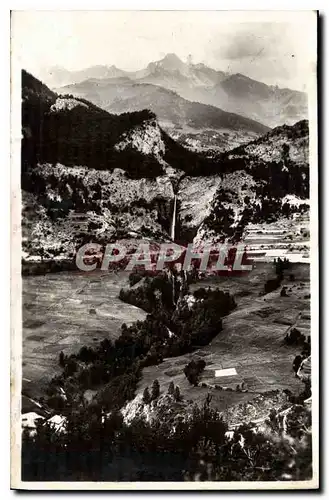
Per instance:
{"type": "Point", "coordinates": [173, 288]}
{"type": "Point", "coordinates": [173, 222]}
{"type": "Point", "coordinates": [172, 235]}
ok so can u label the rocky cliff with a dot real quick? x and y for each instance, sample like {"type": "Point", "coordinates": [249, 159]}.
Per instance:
{"type": "Point", "coordinates": [88, 175]}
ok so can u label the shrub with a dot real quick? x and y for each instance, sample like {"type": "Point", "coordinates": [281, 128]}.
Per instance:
{"type": "Point", "coordinates": [71, 367]}
{"type": "Point", "coordinates": [294, 337]}
{"type": "Point", "coordinates": [280, 265]}
{"type": "Point", "coordinates": [146, 396]}
{"type": "Point", "coordinates": [296, 363]}
{"type": "Point", "coordinates": [136, 276]}
{"type": "Point", "coordinates": [61, 359]}
{"type": "Point", "coordinates": [155, 391]}
{"type": "Point", "coordinates": [151, 294]}
{"type": "Point", "coordinates": [120, 389]}
{"type": "Point", "coordinates": [171, 388]}
{"type": "Point", "coordinates": [193, 370]}
{"type": "Point", "coordinates": [177, 394]}
{"type": "Point", "coordinates": [271, 285]}
{"type": "Point", "coordinates": [197, 325]}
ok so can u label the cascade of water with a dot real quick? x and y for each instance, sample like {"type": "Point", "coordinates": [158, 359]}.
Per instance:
{"type": "Point", "coordinates": [173, 221]}
{"type": "Point", "coordinates": [172, 235]}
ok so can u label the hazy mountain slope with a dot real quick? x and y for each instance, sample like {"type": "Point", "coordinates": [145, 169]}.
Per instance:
{"type": "Point", "coordinates": [57, 76]}
{"type": "Point", "coordinates": [197, 126]}
{"type": "Point", "coordinates": [174, 74]}
{"type": "Point", "coordinates": [271, 105]}
{"type": "Point", "coordinates": [235, 93]}
{"type": "Point", "coordinates": [240, 94]}
{"type": "Point", "coordinates": [125, 96]}
{"type": "Point", "coordinates": [170, 66]}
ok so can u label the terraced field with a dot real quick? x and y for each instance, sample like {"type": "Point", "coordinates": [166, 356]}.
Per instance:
{"type": "Point", "coordinates": [251, 341]}
{"type": "Point", "coordinates": [288, 238]}
{"type": "Point", "coordinates": [63, 312]}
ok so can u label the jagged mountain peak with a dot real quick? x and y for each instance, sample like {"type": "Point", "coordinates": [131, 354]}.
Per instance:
{"type": "Point", "coordinates": [198, 82]}
{"type": "Point", "coordinates": [199, 66]}
{"type": "Point", "coordinates": [100, 71]}
{"type": "Point", "coordinates": [172, 59]}
{"type": "Point", "coordinates": [240, 76]}
{"type": "Point", "coordinates": [170, 62]}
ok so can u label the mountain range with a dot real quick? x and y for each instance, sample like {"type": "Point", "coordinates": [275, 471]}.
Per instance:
{"type": "Point", "coordinates": [88, 175]}
{"type": "Point", "coordinates": [235, 93]}
{"type": "Point", "coordinates": [194, 124]}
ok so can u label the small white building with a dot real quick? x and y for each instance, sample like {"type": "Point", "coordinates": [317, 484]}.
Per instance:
{"type": "Point", "coordinates": [58, 423]}
{"type": "Point", "coordinates": [30, 420]}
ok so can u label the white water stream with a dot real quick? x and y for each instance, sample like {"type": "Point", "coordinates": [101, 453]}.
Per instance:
{"type": "Point", "coordinates": [173, 221]}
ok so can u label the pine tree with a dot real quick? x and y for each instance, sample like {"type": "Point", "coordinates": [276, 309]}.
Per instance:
{"type": "Point", "coordinates": [146, 396]}
{"type": "Point", "coordinates": [155, 390]}
{"type": "Point", "coordinates": [61, 359]}
{"type": "Point", "coordinates": [177, 394]}
{"type": "Point", "coordinates": [171, 388]}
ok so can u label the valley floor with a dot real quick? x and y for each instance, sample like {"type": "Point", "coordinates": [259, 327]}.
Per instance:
{"type": "Point", "coordinates": [64, 311]}
{"type": "Point", "coordinates": [252, 341]}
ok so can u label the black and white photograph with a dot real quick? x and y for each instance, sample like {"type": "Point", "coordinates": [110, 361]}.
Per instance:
{"type": "Point", "coordinates": [165, 224]}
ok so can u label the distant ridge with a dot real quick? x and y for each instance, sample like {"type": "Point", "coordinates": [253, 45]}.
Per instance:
{"type": "Point", "coordinates": [123, 95]}
{"type": "Point", "coordinates": [234, 93]}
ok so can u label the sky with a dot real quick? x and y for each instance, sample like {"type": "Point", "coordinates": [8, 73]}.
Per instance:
{"type": "Point", "coordinates": [276, 48]}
